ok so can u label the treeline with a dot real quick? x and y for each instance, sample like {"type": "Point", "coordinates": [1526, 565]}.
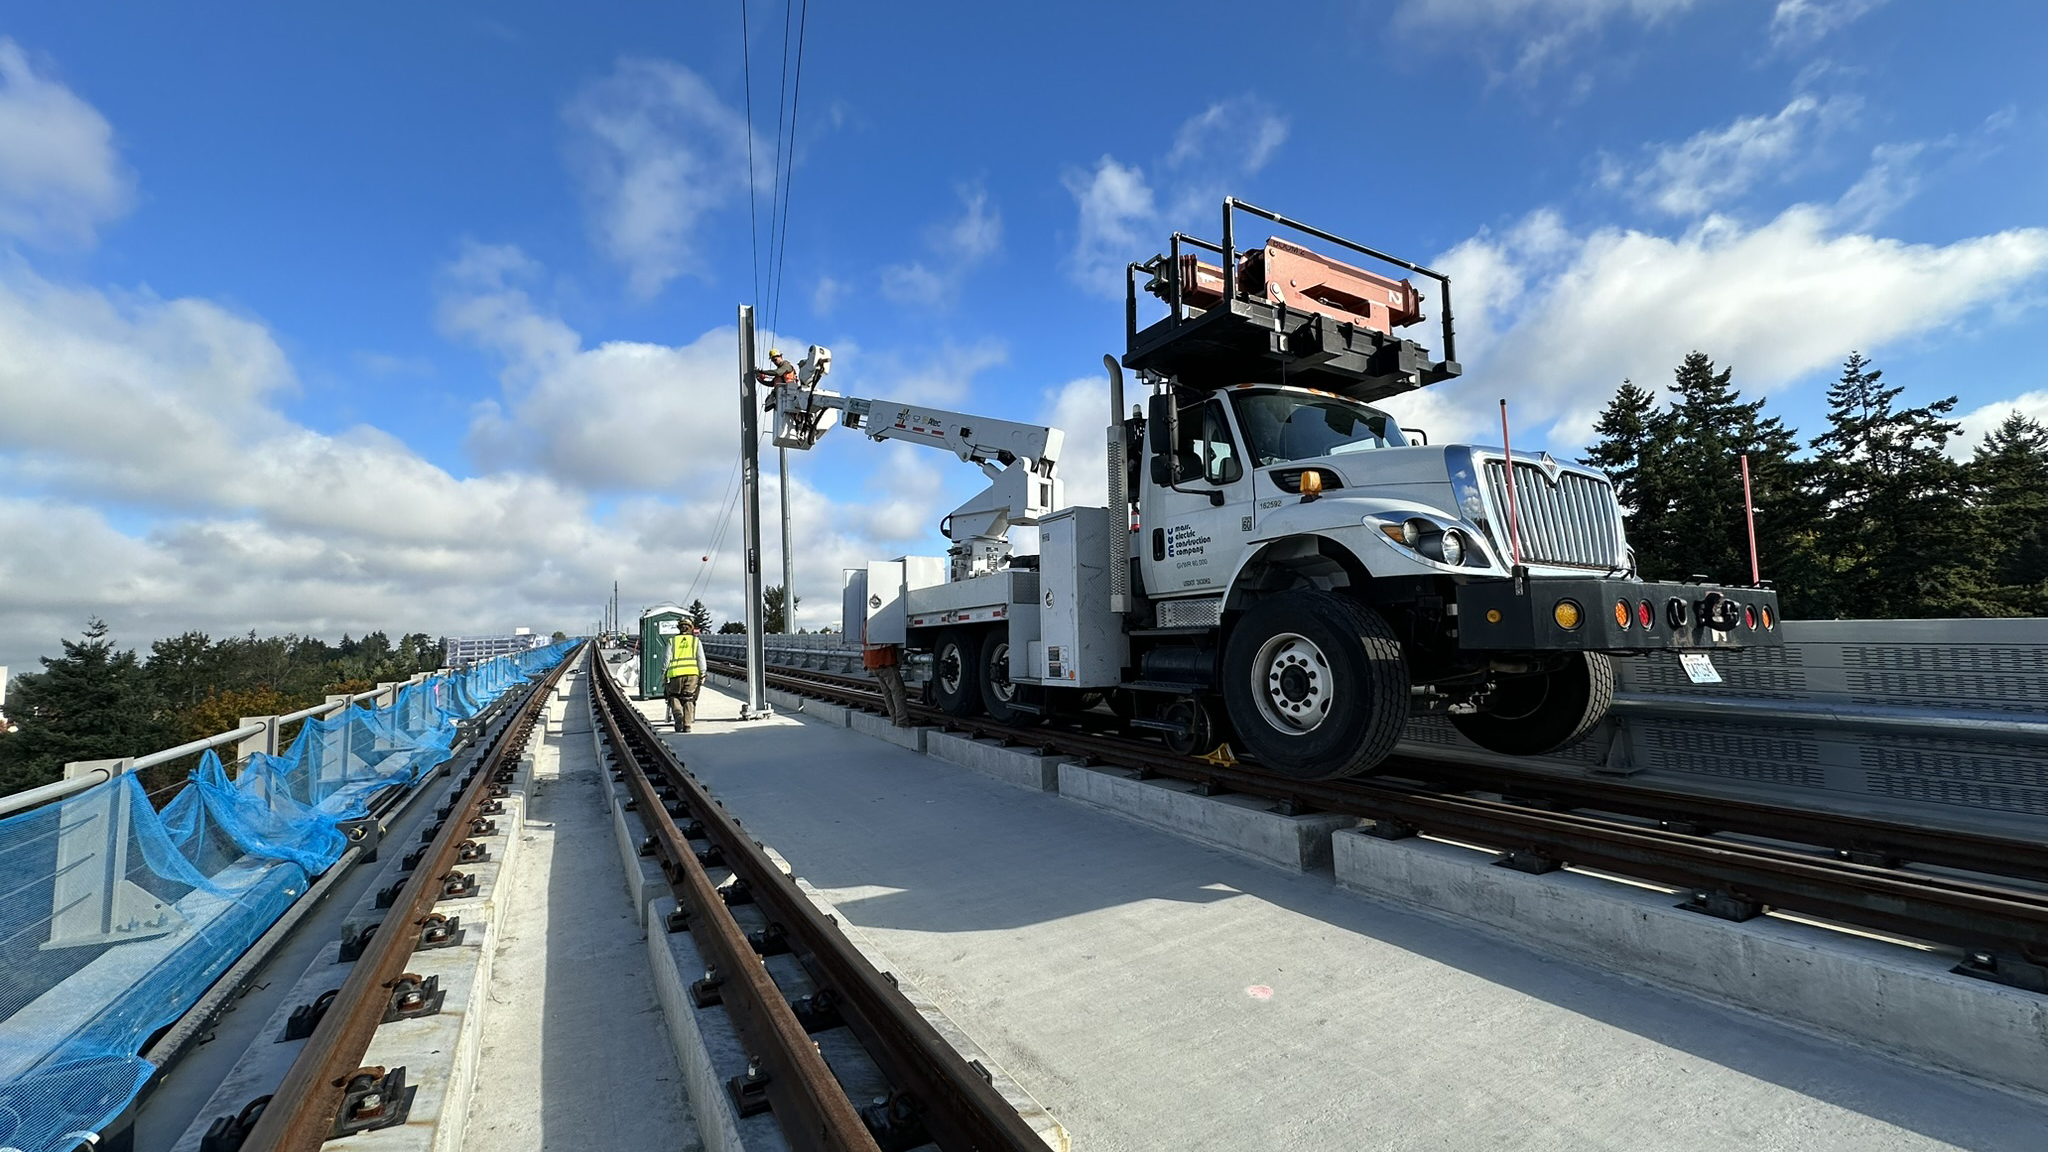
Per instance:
{"type": "Point", "coordinates": [98, 701]}
{"type": "Point", "coordinates": [1872, 518]}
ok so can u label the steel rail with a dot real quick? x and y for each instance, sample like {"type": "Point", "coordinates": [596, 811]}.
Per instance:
{"type": "Point", "coordinates": [1864, 839]}
{"type": "Point", "coordinates": [1943, 910]}
{"type": "Point", "coordinates": [959, 1108]}
{"type": "Point", "coordinates": [808, 1103]}
{"type": "Point", "coordinates": [302, 1111]}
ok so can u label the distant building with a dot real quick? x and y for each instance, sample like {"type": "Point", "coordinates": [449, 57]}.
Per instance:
{"type": "Point", "coordinates": [459, 650]}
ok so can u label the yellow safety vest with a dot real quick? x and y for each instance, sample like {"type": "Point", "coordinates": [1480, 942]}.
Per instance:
{"type": "Point", "coordinates": [682, 656]}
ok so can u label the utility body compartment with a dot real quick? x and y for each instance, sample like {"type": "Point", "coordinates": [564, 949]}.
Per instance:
{"type": "Point", "coordinates": [1080, 643]}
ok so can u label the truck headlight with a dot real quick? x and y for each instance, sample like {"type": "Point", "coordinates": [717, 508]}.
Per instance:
{"type": "Point", "coordinates": [1453, 546]}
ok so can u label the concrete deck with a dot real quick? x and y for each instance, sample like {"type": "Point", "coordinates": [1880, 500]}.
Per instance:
{"type": "Point", "coordinates": [1153, 992]}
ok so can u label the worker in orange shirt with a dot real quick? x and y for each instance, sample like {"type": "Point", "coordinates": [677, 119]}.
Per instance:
{"type": "Point", "coordinates": [884, 663]}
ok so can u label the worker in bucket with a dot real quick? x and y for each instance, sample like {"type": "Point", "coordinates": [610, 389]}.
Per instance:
{"type": "Point", "coordinates": [685, 675]}
{"type": "Point", "coordinates": [780, 371]}
{"type": "Point", "coordinates": [884, 663]}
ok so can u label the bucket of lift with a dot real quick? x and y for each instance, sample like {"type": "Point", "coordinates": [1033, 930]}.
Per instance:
{"type": "Point", "coordinates": [1284, 313]}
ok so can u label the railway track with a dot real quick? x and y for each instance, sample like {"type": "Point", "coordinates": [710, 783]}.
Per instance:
{"type": "Point", "coordinates": [1844, 869]}
{"type": "Point", "coordinates": [936, 1097]}
{"type": "Point", "coordinates": [328, 1092]}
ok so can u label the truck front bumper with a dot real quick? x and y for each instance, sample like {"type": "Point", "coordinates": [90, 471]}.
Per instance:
{"type": "Point", "coordinates": [1607, 614]}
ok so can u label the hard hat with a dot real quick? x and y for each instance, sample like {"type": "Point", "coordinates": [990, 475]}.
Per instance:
{"type": "Point", "coordinates": [774, 352]}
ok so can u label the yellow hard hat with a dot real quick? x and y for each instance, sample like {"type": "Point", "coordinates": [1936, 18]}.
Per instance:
{"type": "Point", "coordinates": [775, 352]}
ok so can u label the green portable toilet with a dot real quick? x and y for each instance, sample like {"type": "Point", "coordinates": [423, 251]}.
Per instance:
{"type": "Point", "coordinates": [657, 624]}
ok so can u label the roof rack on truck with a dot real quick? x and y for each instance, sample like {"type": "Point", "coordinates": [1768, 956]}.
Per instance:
{"type": "Point", "coordinates": [1283, 313]}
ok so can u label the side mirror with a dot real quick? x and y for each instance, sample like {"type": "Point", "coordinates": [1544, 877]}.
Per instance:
{"type": "Point", "coordinates": [1162, 423]}
{"type": "Point", "coordinates": [1162, 428]}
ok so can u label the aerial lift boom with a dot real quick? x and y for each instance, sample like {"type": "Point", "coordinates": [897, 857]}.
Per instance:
{"type": "Point", "coordinates": [1018, 459]}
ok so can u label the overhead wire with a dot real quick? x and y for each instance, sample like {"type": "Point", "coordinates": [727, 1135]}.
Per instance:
{"type": "Point", "coordinates": [728, 498]}
{"type": "Point", "coordinates": [779, 202]}
{"type": "Point", "coordinates": [780, 252]}
{"type": "Point", "coordinates": [790, 87]}
{"type": "Point", "coordinates": [753, 199]}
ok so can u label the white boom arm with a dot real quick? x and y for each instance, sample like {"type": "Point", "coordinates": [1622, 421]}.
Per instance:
{"type": "Point", "coordinates": [1017, 458]}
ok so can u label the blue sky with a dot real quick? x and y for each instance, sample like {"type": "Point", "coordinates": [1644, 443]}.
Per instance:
{"type": "Point", "coordinates": [419, 316]}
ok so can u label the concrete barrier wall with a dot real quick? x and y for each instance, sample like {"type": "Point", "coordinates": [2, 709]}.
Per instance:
{"type": "Point", "coordinates": [1895, 671]}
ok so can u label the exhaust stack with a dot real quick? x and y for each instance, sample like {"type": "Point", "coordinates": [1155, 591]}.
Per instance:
{"type": "Point", "coordinates": [1119, 498]}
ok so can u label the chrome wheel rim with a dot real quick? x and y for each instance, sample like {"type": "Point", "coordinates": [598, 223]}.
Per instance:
{"type": "Point", "coordinates": [949, 670]}
{"type": "Point", "coordinates": [1292, 684]}
{"type": "Point", "coordinates": [999, 673]}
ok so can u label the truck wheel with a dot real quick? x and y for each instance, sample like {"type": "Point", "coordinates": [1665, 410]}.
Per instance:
{"type": "Point", "coordinates": [956, 679]}
{"type": "Point", "coordinates": [1316, 685]}
{"type": "Point", "coordinates": [1545, 712]}
{"type": "Point", "coordinates": [998, 694]}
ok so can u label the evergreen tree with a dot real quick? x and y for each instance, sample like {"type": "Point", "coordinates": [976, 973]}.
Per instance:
{"type": "Point", "coordinates": [771, 609]}
{"type": "Point", "coordinates": [92, 703]}
{"type": "Point", "coordinates": [1630, 454]}
{"type": "Point", "coordinates": [1897, 531]}
{"type": "Point", "coordinates": [2008, 478]}
{"type": "Point", "coordinates": [701, 616]}
{"type": "Point", "coordinates": [1678, 473]}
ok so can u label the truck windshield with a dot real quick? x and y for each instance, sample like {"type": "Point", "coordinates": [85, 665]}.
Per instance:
{"type": "Point", "coordinates": [1280, 426]}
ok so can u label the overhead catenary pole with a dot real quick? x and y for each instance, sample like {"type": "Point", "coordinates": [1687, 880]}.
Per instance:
{"type": "Point", "coordinates": [750, 509]}
{"type": "Point", "coordinates": [788, 561]}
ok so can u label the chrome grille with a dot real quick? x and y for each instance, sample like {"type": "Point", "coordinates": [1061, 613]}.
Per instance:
{"type": "Point", "coordinates": [1573, 522]}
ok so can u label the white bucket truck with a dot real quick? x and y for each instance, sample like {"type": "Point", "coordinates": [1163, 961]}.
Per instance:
{"type": "Point", "coordinates": [1281, 567]}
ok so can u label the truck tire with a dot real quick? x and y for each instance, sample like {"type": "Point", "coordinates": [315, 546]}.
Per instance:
{"type": "Point", "coordinates": [956, 673]}
{"type": "Point", "coordinates": [998, 694]}
{"type": "Point", "coordinates": [1316, 685]}
{"type": "Point", "coordinates": [1545, 712]}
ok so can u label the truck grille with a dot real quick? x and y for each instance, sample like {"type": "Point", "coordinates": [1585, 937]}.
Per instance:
{"type": "Point", "coordinates": [1573, 522]}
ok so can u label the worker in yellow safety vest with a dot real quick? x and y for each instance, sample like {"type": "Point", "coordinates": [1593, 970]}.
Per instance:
{"type": "Point", "coordinates": [685, 675]}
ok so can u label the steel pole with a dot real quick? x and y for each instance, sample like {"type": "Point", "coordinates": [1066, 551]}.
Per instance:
{"type": "Point", "coordinates": [788, 557]}
{"type": "Point", "coordinates": [750, 506]}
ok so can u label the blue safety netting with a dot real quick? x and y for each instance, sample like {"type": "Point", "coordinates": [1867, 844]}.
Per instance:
{"type": "Point", "coordinates": [115, 918]}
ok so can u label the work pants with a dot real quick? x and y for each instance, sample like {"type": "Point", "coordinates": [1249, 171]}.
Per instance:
{"type": "Point", "coordinates": [890, 679]}
{"type": "Point", "coordinates": [682, 700]}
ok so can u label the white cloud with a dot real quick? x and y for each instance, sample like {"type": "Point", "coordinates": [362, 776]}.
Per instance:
{"type": "Point", "coordinates": [60, 177]}
{"type": "Point", "coordinates": [1240, 134]}
{"type": "Point", "coordinates": [1500, 11]}
{"type": "Point", "coordinates": [150, 478]}
{"type": "Point", "coordinates": [1533, 35]}
{"type": "Point", "coordinates": [826, 294]}
{"type": "Point", "coordinates": [941, 375]}
{"type": "Point", "coordinates": [656, 151]}
{"type": "Point", "coordinates": [1705, 172]}
{"type": "Point", "coordinates": [1115, 203]}
{"type": "Point", "coordinates": [1796, 23]}
{"type": "Point", "coordinates": [1118, 216]}
{"type": "Point", "coordinates": [957, 247]}
{"type": "Point", "coordinates": [1892, 180]}
{"type": "Point", "coordinates": [622, 416]}
{"type": "Point", "coordinates": [1080, 408]}
{"type": "Point", "coordinates": [1978, 421]}
{"type": "Point", "coordinates": [1558, 319]}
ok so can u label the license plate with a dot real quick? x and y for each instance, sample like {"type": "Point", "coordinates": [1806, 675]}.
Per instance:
{"type": "Point", "coordinates": [1699, 667]}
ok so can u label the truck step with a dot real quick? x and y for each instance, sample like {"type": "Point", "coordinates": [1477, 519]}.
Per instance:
{"type": "Point", "coordinates": [1178, 687]}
